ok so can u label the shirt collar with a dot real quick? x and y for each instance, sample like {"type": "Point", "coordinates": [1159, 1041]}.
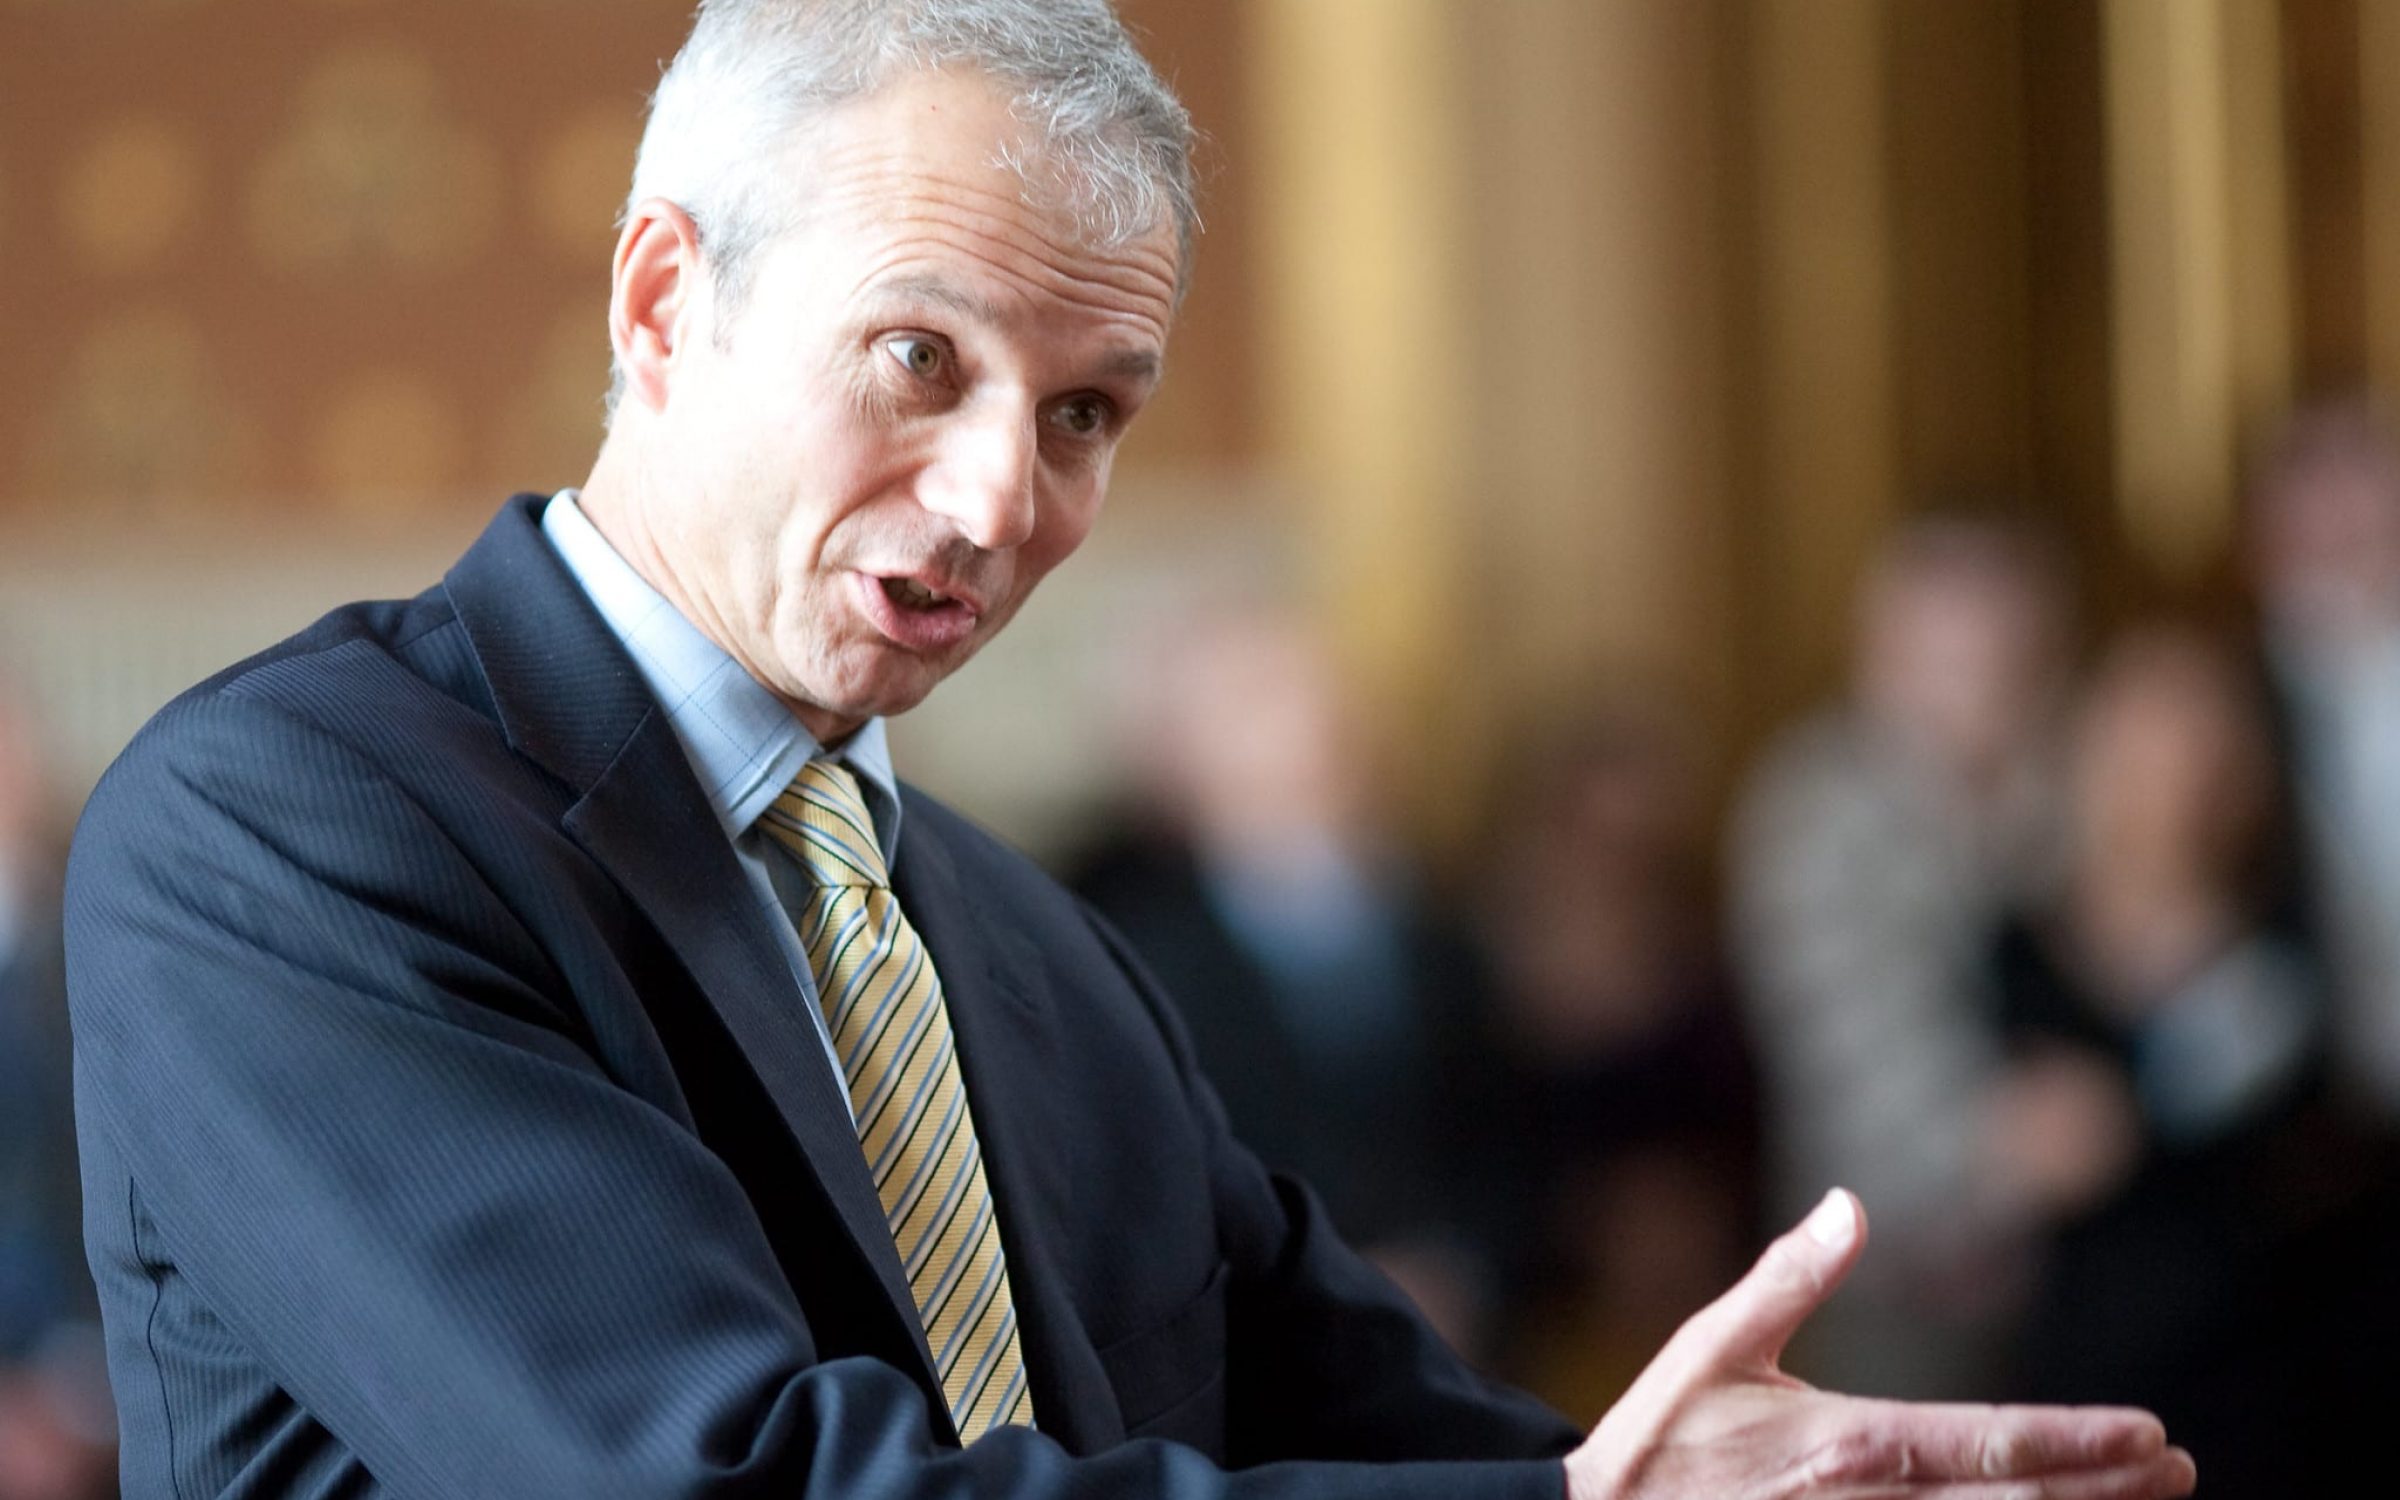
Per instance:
{"type": "Point", "coordinates": [743, 744]}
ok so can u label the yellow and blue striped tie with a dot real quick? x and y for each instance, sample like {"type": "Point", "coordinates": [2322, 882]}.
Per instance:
{"type": "Point", "coordinates": [891, 1032]}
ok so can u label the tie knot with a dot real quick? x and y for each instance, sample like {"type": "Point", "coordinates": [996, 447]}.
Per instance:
{"type": "Point", "coordinates": [822, 818]}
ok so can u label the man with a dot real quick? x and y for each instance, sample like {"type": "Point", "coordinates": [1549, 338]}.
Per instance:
{"type": "Point", "coordinates": [2324, 535]}
{"type": "Point", "coordinates": [522, 1029]}
{"type": "Point", "coordinates": [1884, 843]}
{"type": "Point", "coordinates": [1335, 1014]}
{"type": "Point", "coordinates": [54, 1441]}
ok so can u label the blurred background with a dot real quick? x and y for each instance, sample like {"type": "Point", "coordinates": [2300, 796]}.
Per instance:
{"type": "Point", "coordinates": [1725, 595]}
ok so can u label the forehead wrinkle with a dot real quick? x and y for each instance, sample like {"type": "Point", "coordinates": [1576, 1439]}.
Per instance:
{"type": "Point", "coordinates": [875, 182]}
{"type": "Point", "coordinates": [1075, 274]}
{"type": "Point", "coordinates": [918, 266]}
{"type": "Point", "coordinates": [873, 165]}
{"type": "Point", "coordinates": [926, 286]}
{"type": "Point", "coordinates": [890, 185]}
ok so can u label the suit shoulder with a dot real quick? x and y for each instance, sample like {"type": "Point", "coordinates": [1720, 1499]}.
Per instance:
{"type": "Point", "coordinates": [333, 649]}
{"type": "Point", "coordinates": [356, 668]}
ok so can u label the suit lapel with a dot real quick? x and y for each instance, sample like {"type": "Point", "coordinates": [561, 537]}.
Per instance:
{"type": "Point", "coordinates": [1005, 1027]}
{"type": "Point", "coordinates": [674, 862]}
{"type": "Point", "coordinates": [569, 699]}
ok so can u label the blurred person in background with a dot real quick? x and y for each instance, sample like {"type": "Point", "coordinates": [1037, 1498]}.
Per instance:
{"type": "Point", "coordinates": [1332, 1009]}
{"type": "Point", "coordinates": [2325, 544]}
{"type": "Point", "coordinates": [1629, 1112]}
{"type": "Point", "coordinates": [2218, 1230]}
{"type": "Point", "coordinates": [1880, 846]}
{"type": "Point", "coordinates": [54, 1404]}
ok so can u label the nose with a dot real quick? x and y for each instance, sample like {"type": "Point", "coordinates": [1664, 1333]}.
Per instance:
{"type": "Point", "coordinates": [982, 478]}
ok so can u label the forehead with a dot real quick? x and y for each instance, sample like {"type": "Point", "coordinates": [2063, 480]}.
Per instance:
{"type": "Point", "coordinates": [932, 186]}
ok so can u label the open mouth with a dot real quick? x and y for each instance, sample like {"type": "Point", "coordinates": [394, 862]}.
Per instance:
{"type": "Point", "coordinates": [917, 615]}
{"type": "Point", "coordinates": [912, 595]}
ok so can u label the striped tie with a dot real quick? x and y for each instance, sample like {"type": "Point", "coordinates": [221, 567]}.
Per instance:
{"type": "Point", "coordinates": [883, 1005]}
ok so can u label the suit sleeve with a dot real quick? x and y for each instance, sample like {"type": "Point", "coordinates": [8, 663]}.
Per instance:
{"type": "Point", "coordinates": [348, 1091]}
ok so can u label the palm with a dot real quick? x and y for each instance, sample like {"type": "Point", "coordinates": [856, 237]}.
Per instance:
{"type": "Point", "coordinates": [1714, 1417]}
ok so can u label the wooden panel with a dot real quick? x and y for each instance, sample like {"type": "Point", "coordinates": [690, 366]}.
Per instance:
{"type": "Point", "coordinates": [2379, 146]}
{"type": "Point", "coordinates": [1360, 171]}
{"type": "Point", "coordinates": [383, 219]}
{"type": "Point", "coordinates": [2202, 289]}
{"type": "Point", "coordinates": [285, 259]}
{"type": "Point", "coordinates": [1206, 416]}
{"type": "Point", "coordinates": [1961, 281]}
{"type": "Point", "coordinates": [1600, 385]}
{"type": "Point", "coordinates": [2070, 353]}
{"type": "Point", "coordinates": [1829, 449]}
{"type": "Point", "coordinates": [2325, 156]}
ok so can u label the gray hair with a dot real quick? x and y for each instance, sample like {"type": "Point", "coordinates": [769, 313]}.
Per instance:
{"type": "Point", "coordinates": [1117, 140]}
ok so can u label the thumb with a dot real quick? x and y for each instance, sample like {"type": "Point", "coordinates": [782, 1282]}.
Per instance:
{"type": "Point", "coordinates": [1752, 1322]}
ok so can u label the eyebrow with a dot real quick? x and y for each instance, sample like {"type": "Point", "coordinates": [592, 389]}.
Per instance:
{"type": "Point", "coordinates": [1125, 364]}
{"type": "Point", "coordinates": [1134, 364]}
{"type": "Point", "coordinates": [922, 288]}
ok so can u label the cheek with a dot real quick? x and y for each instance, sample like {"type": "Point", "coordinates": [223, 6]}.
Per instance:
{"type": "Point", "coordinates": [1067, 519]}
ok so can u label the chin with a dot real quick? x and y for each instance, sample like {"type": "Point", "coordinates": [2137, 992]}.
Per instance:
{"type": "Point", "coordinates": [878, 682]}
{"type": "Point", "coordinates": [873, 701]}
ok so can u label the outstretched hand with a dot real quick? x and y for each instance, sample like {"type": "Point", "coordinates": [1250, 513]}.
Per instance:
{"type": "Point", "coordinates": [1714, 1418]}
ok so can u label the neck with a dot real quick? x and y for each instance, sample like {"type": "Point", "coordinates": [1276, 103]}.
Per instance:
{"type": "Point", "coordinates": [609, 497]}
{"type": "Point", "coordinates": [618, 499]}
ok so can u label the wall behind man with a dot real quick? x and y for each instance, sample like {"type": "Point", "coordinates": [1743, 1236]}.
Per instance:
{"type": "Point", "coordinates": [1548, 350]}
{"type": "Point", "coordinates": [301, 258]}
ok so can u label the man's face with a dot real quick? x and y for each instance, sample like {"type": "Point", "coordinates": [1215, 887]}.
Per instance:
{"type": "Point", "coordinates": [2327, 538]}
{"type": "Point", "coordinates": [911, 418]}
{"type": "Point", "coordinates": [1960, 657]}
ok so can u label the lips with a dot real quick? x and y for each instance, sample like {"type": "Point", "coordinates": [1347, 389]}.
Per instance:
{"type": "Point", "coordinates": [917, 612]}
{"type": "Point", "coordinates": [929, 587]}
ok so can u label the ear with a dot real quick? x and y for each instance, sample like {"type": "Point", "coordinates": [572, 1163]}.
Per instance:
{"type": "Point", "coordinates": [654, 296]}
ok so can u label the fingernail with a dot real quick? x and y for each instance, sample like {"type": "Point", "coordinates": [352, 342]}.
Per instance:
{"type": "Point", "coordinates": [1832, 1222]}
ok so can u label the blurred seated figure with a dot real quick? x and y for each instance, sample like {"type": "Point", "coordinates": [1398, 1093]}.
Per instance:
{"type": "Point", "coordinates": [1329, 1007]}
{"type": "Point", "coordinates": [2325, 542]}
{"type": "Point", "coordinates": [54, 1403]}
{"type": "Point", "coordinates": [1879, 847]}
{"type": "Point", "coordinates": [2205, 1217]}
{"type": "Point", "coordinates": [1629, 1108]}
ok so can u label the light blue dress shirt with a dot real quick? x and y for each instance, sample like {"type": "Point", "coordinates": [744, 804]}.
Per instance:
{"type": "Point", "coordinates": [744, 745]}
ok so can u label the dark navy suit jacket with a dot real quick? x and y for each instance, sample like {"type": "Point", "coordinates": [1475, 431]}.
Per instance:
{"type": "Point", "coordinates": [450, 1129]}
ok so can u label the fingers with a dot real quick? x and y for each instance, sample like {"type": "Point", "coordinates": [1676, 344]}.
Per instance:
{"type": "Point", "coordinates": [2021, 1452]}
{"type": "Point", "coordinates": [2006, 1442]}
{"type": "Point", "coordinates": [1753, 1321]}
{"type": "Point", "coordinates": [2166, 1475]}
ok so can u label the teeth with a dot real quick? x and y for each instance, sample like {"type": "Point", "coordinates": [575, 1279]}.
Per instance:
{"type": "Point", "coordinates": [914, 594]}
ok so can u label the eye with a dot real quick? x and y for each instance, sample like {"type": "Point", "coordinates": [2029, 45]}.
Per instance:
{"type": "Point", "coordinates": [921, 357]}
{"type": "Point", "coordinates": [1083, 415]}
